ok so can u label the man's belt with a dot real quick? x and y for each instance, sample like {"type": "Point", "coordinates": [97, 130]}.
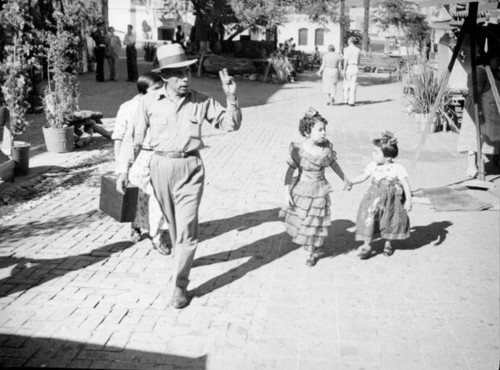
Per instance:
{"type": "Point", "coordinates": [194, 153]}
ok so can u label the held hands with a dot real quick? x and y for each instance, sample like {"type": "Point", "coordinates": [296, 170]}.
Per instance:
{"type": "Point", "coordinates": [228, 83]}
{"type": "Point", "coordinates": [347, 185]}
{"type": "Point", "coordinates": [121, 183]}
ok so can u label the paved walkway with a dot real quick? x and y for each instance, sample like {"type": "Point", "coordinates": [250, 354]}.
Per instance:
{"type": "Point", "coordinates": [75, 292]}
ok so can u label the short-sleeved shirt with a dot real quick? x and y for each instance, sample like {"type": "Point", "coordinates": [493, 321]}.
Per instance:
{"type": "Point", "coordinates": [386, 171]}
{"type": "Point", "coordinates": [176, 124]}
{"type": "Point", "coordinates": [126, 113]}
{"type": "Point", "coordinates": [352, 55]}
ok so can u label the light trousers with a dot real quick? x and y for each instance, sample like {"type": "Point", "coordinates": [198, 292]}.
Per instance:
{"type": "Point", "coordinates": [178, 186]}
{"type": "Point", "coordinates": [350, 84]}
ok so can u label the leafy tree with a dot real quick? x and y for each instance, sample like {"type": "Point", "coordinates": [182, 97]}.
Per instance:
{"type": "Point", "coordinates": [406, 17]}
{"type": "Point", "coordinates": [320, 11]}
{"type": "Point", "coordinates": [241, 15]}
{"type": "Point", "coordinates": [17, 61]}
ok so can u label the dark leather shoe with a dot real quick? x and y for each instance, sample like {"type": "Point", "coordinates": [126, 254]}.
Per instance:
{"type": "Point", "coordinates": [180, 298]}
{"type": "Point", "coordinates": [135, 234]}
{"type": "Point", "coordinates": [162, 248]}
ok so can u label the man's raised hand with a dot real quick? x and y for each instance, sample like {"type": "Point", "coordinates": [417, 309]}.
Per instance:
{"type": "Point", "coordinates": [228, 83]}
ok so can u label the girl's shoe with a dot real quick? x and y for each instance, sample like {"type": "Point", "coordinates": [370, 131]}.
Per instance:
{"type": "Point", "coordinates": [364, 252]}
{"type": "Point", "coordinates": [135, 234]}
{"type": "Point", "coordinates": [388, 250]}
{"type": "Point", "coordinates": [310, 261]}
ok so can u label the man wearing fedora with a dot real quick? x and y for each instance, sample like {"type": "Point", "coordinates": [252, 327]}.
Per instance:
{"type": "Point", "coordinates": [174, 115]}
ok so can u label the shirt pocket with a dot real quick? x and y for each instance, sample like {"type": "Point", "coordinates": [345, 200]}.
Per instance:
{"type": "Point", "coordinates": [194, 127]}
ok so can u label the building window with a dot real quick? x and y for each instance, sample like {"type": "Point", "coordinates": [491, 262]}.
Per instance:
{"type": "Point", "coordinates": [303, 36]}
{"type": "Point", "coordinates": [319, 36]}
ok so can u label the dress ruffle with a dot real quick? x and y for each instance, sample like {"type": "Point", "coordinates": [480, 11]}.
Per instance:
{"type": "Point", "coordinates": [308, 220]}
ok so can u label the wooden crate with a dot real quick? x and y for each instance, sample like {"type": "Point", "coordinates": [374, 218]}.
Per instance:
{"type": "Point", "coordinates": [121, 207]}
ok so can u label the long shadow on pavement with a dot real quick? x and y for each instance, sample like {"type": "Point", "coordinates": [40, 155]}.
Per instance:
{"type": "Point", "coordinates": [18, 232]}
{"type": "Point", "coordinates": [368, 102]}
{"type": "Point", "coordinates": [31, 272]}
{"type": "Point", "coordinates": [262, 251]}
{"type": "Point", "coordinates": [420, 236]}
{"type": "Point", "coordinates": [23, 351]}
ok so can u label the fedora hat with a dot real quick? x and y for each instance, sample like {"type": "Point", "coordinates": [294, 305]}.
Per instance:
{"type": "Point", "coordinates": [172, 56]}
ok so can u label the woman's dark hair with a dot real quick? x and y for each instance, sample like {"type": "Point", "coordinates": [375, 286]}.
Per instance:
{"type": "Point", "coordinates": [309, 120]}
{"type": "Point", "coordinates": [146, 80]}
{"type": "Point", "coordinates": [388, 144]}
{"type": "Point", "coordinates": [331, 48]}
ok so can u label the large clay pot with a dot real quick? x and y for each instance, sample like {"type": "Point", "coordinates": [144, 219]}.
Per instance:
{"type": "Point", "coordinates": [421, 120]}
{"type": "Point", "coordinates": [21, 156]}
{"type": "Point", "coordinates": [59, 140]}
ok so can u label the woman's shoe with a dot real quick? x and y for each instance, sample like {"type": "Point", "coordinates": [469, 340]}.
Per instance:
{"type": "Point", "coordinates": [162, 248]}
{"type": "Point", "coordinates": [135, 234]}
{"type": "Point", "coordinates": [364, 252]}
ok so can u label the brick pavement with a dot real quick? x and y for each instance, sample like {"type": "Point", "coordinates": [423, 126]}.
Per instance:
{"type": "Point", "coordinates": [75, 292]}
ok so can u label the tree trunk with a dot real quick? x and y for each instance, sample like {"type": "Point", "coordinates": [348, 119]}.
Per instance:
{"type": "Point", "coordinates": [366, 24]}
{"type": "Point", "coordinates": [342, 25]}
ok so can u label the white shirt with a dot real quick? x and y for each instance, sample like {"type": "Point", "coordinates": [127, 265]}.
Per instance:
{"type": "Point", "coordinates": [386, 171]}
{"type": "Point", "coordinates": [351, 55]}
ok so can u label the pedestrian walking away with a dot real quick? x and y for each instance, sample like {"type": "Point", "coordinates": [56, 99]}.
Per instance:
{"type": "Point", "coordinates": [99, 37]}
{"type": "Point", "coordinates": [384, 209]}
{"type": "Point", "coordinates": [131, 53]}
{"type": "Point", "coordinates": [174, 115]}
{"type": "Point", "coordinates": [114, 48]}
{"type": "Point", "coordinates": [148, 215]}
{"type": "Point", "coordinates": [352, 56]}
{"type": "Point", "coordinates": [330, 71]}
{"type": "Point", "coordinates": [307, 214]}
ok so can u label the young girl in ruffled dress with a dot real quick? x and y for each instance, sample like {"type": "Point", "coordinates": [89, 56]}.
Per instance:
{"type": "Point", "coordinates": [384, 209]}
{"type": "Point", "coordinates": [307, 216]}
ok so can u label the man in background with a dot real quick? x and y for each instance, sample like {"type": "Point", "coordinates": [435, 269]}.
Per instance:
{"type": "Point", "coordinates": [352, 56]}
{"type": "Point", "coordinates": [99, 37]}
{"type": "Point", "coordinates": [131, 53]}
{"type": "Point", "coordinates": [114, 49]}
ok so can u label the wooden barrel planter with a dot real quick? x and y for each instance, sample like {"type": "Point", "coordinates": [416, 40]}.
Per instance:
{"type": "Point", "coordinates": [59, 140]}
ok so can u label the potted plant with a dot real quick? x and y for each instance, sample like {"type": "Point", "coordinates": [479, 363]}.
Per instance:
{"type": "Point", "coordinates": [15, 91]}
{"type": "Point", "coordinates": [62, 91]}
{"type": "Point", "coordinates": [15, 69]}
{"type": "Point", "coordinates": [422, 95]}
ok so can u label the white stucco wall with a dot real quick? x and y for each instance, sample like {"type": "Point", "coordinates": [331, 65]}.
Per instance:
{"type": "Point", "coordinates": [298, 21]}
{"type": "Point", "coordinates": [121, 13]}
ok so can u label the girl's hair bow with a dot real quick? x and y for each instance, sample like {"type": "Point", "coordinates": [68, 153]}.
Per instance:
{"type": "Point", "coordinates": [389, 138]}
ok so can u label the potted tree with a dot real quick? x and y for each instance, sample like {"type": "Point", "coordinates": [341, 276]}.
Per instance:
{"type": "Point", "coordinates": [63, 42]}
{"type": "Point", "coordinates": [15, 70]}
{"type": "Point", "coordinates": [422, 95]}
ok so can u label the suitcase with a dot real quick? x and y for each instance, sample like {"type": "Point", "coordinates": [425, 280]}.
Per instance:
{"type": "Point", "coordinates": [121, 207]}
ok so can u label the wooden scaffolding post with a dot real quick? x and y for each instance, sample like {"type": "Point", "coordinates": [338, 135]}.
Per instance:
{"type": "Point", "coordinates": [475, 96]}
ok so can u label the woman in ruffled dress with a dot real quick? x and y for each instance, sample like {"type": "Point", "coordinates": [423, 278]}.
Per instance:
{"type": "Point", "coordinates": [307, 216]}
{"type": "Point", "coordinates": [148, 215]}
